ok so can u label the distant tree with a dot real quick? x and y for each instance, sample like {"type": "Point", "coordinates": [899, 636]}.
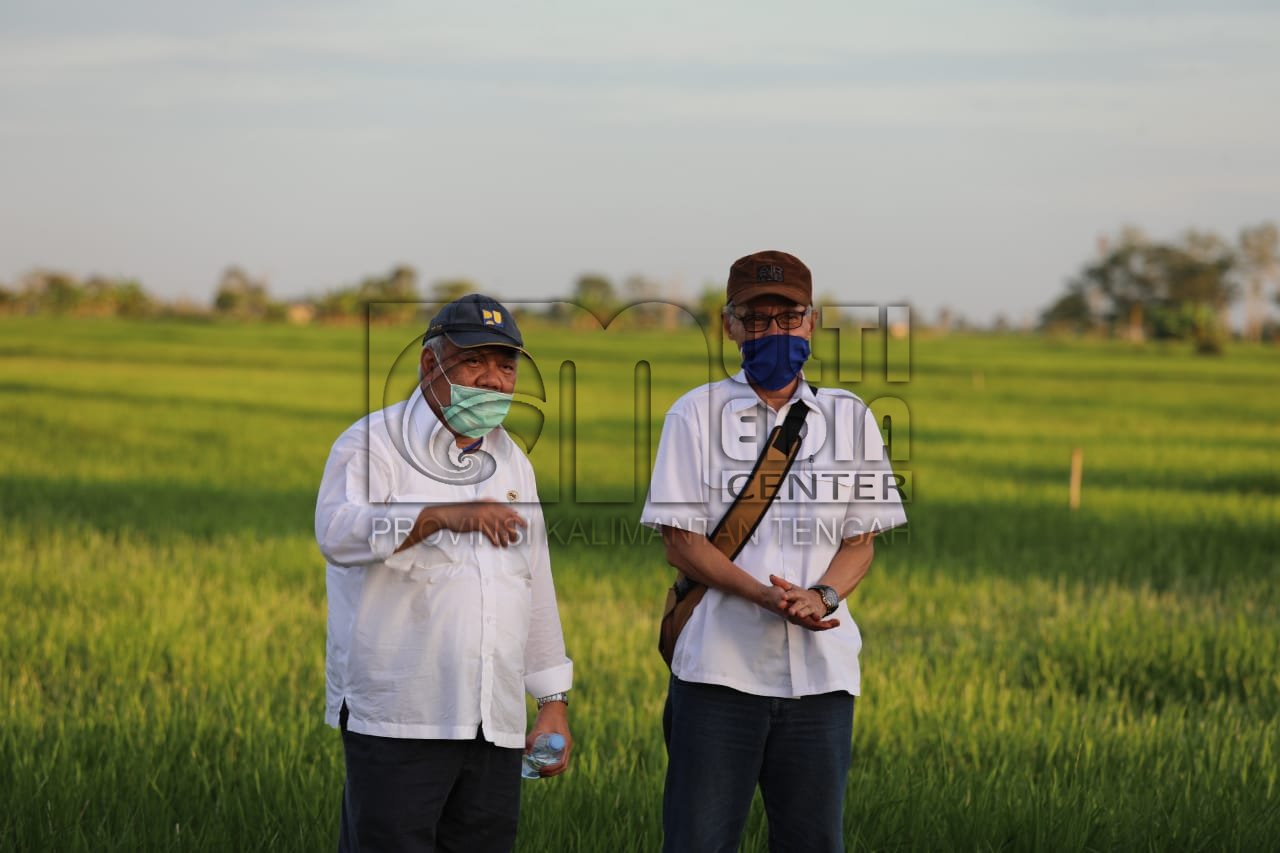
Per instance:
{"type": "Point", "coordinates": [390, 298]}
{"type": "Point", "coordinates": [710, 305]}
{"type": "Point", "coordinates": [277, 311]}
{"type": "Point", "coordinates": [1148, 288]}
{"type": "Point", "coordinates": [239, 296]}
{"type": "Point", "coordinates": [108, 297]}
{"type": "Point", "coordinates": [596, 294]}
{"type": "Point", "coordinates": [1071, 312]}
{"type": "Point", "coordinates": [132, 300]}
{"type": "Point", "coordinates": [340, 304]}
{"type": "Point", "coordinates": [1121, 278]}
{"type": "Point", "coordinates": [44, 291]}
{"type": "Point", "coordinates": [945, 317]}
{"type": "Point", "coordinates": [1259, 264]}
{"type": "Point", "coordinates": [51, 292]}
{"type": "Point", "coordinates": [646, 307]}
{"type": "Point", "coordinates": [449, 289]}
{"type": "Point", "coordinates": [637, 288]}
{"type": "Point", "coordinates": [402, 283]}
{"type": "Point", "coordinates": [98, 297]}
{"type": "Point", "coordinates": [1201, 272]}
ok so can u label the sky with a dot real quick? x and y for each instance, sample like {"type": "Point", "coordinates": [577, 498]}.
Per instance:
{"type": "Point", "coordinates": [962, 155]}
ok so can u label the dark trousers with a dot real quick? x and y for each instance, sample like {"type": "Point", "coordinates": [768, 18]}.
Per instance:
{"type": "Point", "coordinates": [428, 795]}
{"type": "Point", "coordinates": [721, 742]}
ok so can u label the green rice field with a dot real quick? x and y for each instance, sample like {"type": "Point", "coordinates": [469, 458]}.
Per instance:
{"type": "Point", "coordinates": [1033, 678]}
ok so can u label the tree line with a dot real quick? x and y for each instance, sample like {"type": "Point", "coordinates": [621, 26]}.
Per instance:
{"type": "Point", "coordinates": [392, 297]}
{"type": "Point", "coordinates": [1136, 288]}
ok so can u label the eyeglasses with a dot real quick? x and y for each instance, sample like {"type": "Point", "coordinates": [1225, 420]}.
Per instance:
{"type": "Point", "coordinates": [786, 320]}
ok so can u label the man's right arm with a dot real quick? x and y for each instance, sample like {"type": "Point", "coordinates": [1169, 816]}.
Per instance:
{"type": "Point", "coordinates": [350, 530]}
{"type": "Point", "coordinates": [678, 507]}
{"type": "Point", "coordinates": [695, 556]}
{"type": "Point", "coordinates": [500, 523]}
{"type": "Point", "coordinates": [353, 529]}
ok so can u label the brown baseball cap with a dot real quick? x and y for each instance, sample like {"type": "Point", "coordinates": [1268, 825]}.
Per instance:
{"type": "Point", "coordinates": [769, 272]}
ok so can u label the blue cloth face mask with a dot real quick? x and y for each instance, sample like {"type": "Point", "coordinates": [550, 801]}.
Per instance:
{"type": "Point", "coordinates": [774, 360]}
{"type": "Point", "coordinates": [474, 412]}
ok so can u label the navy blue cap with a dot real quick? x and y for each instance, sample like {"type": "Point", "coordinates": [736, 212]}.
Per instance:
{"type": "Point", "coordinates": [476, 321]}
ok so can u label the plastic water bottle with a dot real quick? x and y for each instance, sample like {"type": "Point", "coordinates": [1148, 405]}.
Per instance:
{"type": "Point", "coordinates": [548, 749]}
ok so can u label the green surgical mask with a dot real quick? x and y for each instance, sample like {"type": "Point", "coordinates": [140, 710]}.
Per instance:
{"type": "Point", "coordinates": [474, 412]}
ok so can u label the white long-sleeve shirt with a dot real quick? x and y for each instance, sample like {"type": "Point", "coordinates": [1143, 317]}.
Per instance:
{"type": "Point", "coordinates": [448, 635]}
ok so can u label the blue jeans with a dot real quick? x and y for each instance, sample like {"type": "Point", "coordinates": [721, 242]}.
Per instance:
{"type": "Point", "coordinates": [721, 742]}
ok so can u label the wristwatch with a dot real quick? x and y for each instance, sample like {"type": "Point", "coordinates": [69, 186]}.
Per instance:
{"type": "Point", "coordinates": [830, 597]}
{"type": "Point", "coordinates": [554, 697]}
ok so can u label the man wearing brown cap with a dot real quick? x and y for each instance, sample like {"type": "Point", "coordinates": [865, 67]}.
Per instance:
{"type": "Point", "coordinates": [765, 671]}
{"type": "Point", "coordinates": [442, 611]}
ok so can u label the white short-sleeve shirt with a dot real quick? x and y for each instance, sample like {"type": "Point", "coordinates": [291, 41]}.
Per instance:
{"type": "Point", "coordinates": [840, 485]}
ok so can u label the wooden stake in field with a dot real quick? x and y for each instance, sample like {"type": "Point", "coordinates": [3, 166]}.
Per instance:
{"type": "Point", "coordinates": [1077, 471]}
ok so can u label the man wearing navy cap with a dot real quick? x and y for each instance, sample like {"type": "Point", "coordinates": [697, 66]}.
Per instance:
{"type": "Point", "coordinates": [442, 611]}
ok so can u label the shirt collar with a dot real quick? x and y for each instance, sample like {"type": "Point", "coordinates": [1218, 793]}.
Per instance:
{"type": "Point", "coordinates": [743, 396]}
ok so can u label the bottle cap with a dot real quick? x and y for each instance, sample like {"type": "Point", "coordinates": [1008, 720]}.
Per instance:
{"type": "Point", "coordinates": [556, 741]}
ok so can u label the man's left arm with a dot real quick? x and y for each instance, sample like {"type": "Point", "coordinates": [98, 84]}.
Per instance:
{"type": "Point", "coordinates": [863, 520]}
{"type": "Point", "coordinates": [846, 570]}
{"type": "Point", "coordinates": [548, 670]}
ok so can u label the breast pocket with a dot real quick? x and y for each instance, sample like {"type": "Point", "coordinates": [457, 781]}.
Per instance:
{"type": "Point", "coordinates": [513, 564]}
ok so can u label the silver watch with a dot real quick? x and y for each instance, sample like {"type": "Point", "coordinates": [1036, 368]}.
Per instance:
{"type": "Point", "coordinates": [554, 697]}
{"type": "Point", "coordinates": [830, 598]}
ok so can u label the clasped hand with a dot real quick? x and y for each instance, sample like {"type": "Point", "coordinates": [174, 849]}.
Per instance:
{"type": "Point", "coordinates": [797, 605]}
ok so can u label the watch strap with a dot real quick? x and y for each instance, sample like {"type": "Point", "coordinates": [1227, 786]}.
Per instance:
{"type": "Point", "coordinates": [554, 697]}
{"type": "Point", "coordinates": [830, 598]}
